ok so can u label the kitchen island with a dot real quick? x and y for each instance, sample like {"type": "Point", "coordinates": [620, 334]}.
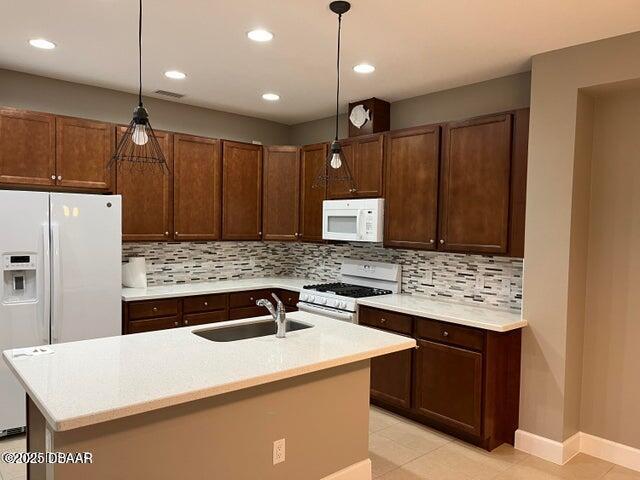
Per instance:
{"type": "Point", "coordinates": [171, 404]}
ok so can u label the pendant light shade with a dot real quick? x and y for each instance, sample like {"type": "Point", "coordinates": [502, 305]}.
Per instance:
{"type": "Point", "coordinates": [336, 169]}
{"type": "Point", "coordinates": [139, 145]}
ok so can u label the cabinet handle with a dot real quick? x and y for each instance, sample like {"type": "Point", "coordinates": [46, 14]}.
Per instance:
{"type": "Point", "coordinates": [445, 334]}
{"type": "Point", "coordinates": [59, 177]}
{"type": "Point", "coordinates": [431, 240]}
{"type": "Point", "coordinates": [166, 234]}
{"type": "Point", "coordinates": [251, 298]}
{"type": "Point", "coordinates": [186, 322]}
{"type": "Point", "coordinates": [352, 190]}
{"type": "Point", "coordinates": [206, 304]}
{"type": "Point", "coordinates": [155, 309]}
{"type": "Point", "coordinates": [383, 320]}
{"type": "Point", "coordinates": [260, 233]}
{"type": "Point", "coordinates": [53, 177]}
{"type": "Point", "coordinates": [176, 233]}
{"type": "Point", "coordinates": [175, 324]}
{"type": "Point", "coordinates": [441, 241]}
{"type": "Point", "coordinates": [417, 347]}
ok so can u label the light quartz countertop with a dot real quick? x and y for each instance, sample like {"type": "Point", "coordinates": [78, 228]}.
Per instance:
{"type": "Point", "coordinates": [469, 315]}
{"type": "Point", "coordinates": [92, 381]}
{"type": "Point", "coordinates": [220, 286]}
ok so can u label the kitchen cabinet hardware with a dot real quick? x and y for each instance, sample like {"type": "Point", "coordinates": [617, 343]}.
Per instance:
{"type": "Point", "coordinates": [176, 232]}
{"type": "Point", "coordinates": [445, 334]}
{"type": "Point", "coordinates": [186, 322]}
{"type": "Point", "coordinates": [154, 309]}
{"type": "Point", "coordinates": [431, 240]}
{"type": "Point", "coordinates": [441, 241]}
{"type": "Point", "coordinates": [175, 324]}
{"type": "Point", "coordinates": [206, 304]}
{"type": "Point", "coordinates": [59, 177]}
{"type": "Point", "coordinates": [53, 177]}
{"type": "Point", "coordinates": [166, 234]}
{"type": "Point", "coordinates": [383, 320]}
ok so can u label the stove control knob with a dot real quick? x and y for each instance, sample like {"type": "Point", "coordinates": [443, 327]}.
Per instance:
{"type": "Point", "coordinates": [311, 298]}
{"type": "Point", "coordinates": [303, 296]}
{"type": "Point", "coordinates": [343, 305]}
{"type": "Point", "coordinates": [323, 301]}
{"type": "Point", "coordinates": [333, 303]}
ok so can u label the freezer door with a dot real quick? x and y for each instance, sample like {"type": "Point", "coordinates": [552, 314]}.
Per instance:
{"type": "Point", "coordinates": [86, 271]}
{"type": "Point", "coordinates": [24, 299]}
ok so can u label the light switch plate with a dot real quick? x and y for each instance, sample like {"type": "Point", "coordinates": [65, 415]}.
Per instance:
{"type": "Point", "coordinates": [428, 277]}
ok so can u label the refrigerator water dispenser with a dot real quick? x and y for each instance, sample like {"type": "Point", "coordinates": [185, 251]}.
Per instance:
{"type": "Point", "coordinates": [19, 278]}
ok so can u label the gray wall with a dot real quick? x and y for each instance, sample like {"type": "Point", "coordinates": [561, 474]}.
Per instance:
{"type": "Point", "coordinates": [495, 95]}
{"type": "Point", "coordinates": [43, 94]}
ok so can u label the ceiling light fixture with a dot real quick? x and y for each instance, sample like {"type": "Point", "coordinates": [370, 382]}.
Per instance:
{"type": "Point", "coordinates": [364, 68]}
{"type": "Point", "coordinates": [260, 35]}
{"type": "Point", "coordinates": [139, 145]}
{"type": "Point", "coordinates": [42, 43]}
{"type": "Point", "coordinates": [271, 97]}
{"type": "Point", "coordinates": [336, 168]}
{"type": "Point", "coordinates": [174, 75]}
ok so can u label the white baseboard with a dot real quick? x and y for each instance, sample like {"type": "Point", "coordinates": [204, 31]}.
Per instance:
{"type": "Point", "coordinates": [357, 471]}
{"type": "Point", "coordinates": [562, 452]}
{"type": "Point", "coordinates": [613, 452]}
{"type": "Point", "coordinates": [551, 450]}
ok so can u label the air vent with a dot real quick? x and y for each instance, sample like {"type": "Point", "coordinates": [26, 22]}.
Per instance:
{"type": "Point", "coordinates": [169, 94]}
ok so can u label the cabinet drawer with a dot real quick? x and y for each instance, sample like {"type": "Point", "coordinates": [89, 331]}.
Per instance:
{"type": "Point", "coordinates": [151, 324]}
{"type": "Point", "coordinates": [247, 312]}
{"type": "Point", "coordinates": [202, 318]}
{"type": "Point", "coordinates": [153, 308]}
{"type": "Point", "coordinates": [204, 303]}
{"type": "Point", "coordinates": [451, 334]}
{"type": "Point", "coordinates": [248, 299]}
{"type": "Point", "coordinates": [288, 297]}
{"type": "Point", "coordinates": [395, 322]}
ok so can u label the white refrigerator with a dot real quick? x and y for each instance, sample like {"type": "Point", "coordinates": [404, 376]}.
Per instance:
{"type": "Point", "coordinates": [61, 256]}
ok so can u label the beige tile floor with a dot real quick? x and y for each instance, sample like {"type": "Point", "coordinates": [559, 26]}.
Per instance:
{"type": "Point", "coordinates": [403, 450]}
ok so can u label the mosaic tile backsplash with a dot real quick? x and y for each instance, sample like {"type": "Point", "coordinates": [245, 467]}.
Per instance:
{"type": "Point", "coordinates": [479, 279]}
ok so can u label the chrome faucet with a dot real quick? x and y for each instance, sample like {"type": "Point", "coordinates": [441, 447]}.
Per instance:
{"type": "Point", "coordinates": [279, 314]}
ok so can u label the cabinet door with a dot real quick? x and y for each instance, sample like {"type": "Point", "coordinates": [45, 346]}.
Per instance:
{"type": "Point", "coordinates": [313, 160]}
{"type": "Point", "coordinates": [146, 196]}
{"type": "Point", "coordinates": [241, 191]}
{"type": "Point", "coordinates": [281, 193]}
{"type": "Point", "coordinates": [411, 188]}
{"type": "Point", "coordinates": [369, 166]}
{"type": "Point", "coordinates": [391, 378]}
{"type": "Point", "coordinates": [345, 189]}
{"type": "Point", "coordinates": [27, 148]}
{"type": "Point", "coordinates": [83, 151]}
{"type": "Point", "coordinates": [448, 385]}
{"type": "Point", "coordinates": [197, 171]}
{"type": "Point", "coordinates": [474, 203]}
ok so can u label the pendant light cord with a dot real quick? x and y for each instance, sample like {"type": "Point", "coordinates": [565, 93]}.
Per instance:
{"type": "Point", "coordinates": [338, 74]}
{"type": "Point", "coordinates": [140, 55]}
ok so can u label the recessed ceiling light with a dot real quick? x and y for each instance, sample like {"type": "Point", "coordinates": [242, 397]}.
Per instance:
{"type": "Point", "coordinates": [364, 68]}
{"type": "Point", "coordinates": [42, 43]}
{"type": "Point", "coordinates": [272, 97]}
{"type": "Point", "coordinates": [174, 74]}
{"type": "Point", "coordinates": [260, 35]}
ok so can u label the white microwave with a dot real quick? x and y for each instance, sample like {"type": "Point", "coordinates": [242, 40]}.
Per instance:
{"type": "Point", "coordinates": [358, 220]}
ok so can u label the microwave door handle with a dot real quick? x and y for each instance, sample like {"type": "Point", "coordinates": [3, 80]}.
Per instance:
{"type": "Point", "coordinates": [359, 228]}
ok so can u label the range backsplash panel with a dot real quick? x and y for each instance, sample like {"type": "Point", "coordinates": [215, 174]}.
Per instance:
{"type": "Point", "coordinates": [492, 281]}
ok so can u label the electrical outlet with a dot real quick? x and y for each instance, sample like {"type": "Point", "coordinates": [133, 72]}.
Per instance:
{"type": "Point", "coordinates": [428, 277]}
{"type": "Point", "coordinates": [479, 282]}
{"type": "Point", "coordinates": [278, 451]}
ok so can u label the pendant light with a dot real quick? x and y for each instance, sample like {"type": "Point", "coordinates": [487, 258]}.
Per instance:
{"type": "Point", "coordinates": [139, 145]}
{"type": "Point", "coordinates": [336, 168]}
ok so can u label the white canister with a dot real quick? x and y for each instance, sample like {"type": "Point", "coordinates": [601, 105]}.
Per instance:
{"type": "Point", "coordinates": [134, 273]}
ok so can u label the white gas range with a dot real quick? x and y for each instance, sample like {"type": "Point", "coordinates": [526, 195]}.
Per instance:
{"type": "Point", "coordinates": [358, 278]}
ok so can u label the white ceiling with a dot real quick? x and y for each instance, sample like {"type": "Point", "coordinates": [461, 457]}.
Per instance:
{"type": "Point", "coordinates": [417, 46]}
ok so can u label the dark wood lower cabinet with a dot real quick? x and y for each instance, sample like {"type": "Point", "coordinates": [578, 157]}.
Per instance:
{"type": "Point", "coordinates": [391, 378]}
{"type": "Point", "coordinates": [461, 380]}
{"type": "Point", "coordinates": [151, 315]}
{"type": "Point", "coordinates": [448, 385]}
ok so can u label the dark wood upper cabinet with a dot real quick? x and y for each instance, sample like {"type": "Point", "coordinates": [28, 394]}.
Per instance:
{"type": "Point", "coordinates": [147, 193]}
{"type": "Point", "coordinates": [448, 386]}
{"type": "Point", "coordinates": [197, 180]}
{"type": "Point", "coordinates": [241, 191]}
{"type": "Point", "coordinates": [365, 156]}
{"type": "Point", "coordinates": [411, 187]}
{"type": "Point", "coordinates": [27, 147]}
{"type": "Point", "coordinates": [475, 185]}
{"type": "Point", "coordinates": [312, 161]}
{"type": "Point", "coordinates": [83, 151]}
{"type": "Point", "coordinates": [519, 182]}
{"type": "Point", "coordinates": [281, 193]}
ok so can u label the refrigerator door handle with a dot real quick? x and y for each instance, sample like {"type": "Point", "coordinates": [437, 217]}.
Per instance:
{"type": "Point", "coordinates": [46, 294]}
{"type": "Point", "coordinates": [56, 303]}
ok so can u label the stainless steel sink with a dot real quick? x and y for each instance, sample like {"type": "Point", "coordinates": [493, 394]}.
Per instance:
{"type": "Point", "coordinates": [247, 330]}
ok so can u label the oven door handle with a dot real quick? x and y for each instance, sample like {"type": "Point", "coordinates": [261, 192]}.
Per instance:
{"type": "Point", "coordinates": [325, 312]}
